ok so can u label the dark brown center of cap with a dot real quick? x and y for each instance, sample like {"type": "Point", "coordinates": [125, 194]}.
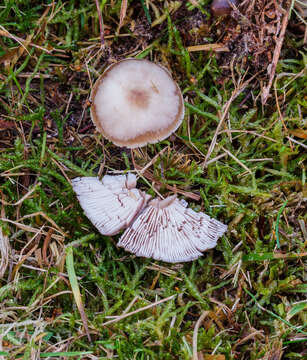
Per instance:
{"type": "Point", "coordinates": [138, 98]}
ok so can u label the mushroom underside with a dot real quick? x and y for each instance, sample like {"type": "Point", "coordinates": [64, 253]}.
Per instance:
{"type": "Point", "coordinates": [164, 230]}
{"type": "Point", "coordinates": [172, 234]}
{"type": "Point", "coordinates": [112, 204]}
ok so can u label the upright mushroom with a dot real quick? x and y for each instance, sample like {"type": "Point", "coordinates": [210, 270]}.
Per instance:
{"type": "Point", "coordinates": [136, 102]}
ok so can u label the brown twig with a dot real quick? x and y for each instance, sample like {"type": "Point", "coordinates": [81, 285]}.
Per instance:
{"type": "Point", "coordinates": [46, 244]}
{"type": "Point", "coordinates": [4, 252]}
{"type": "Point", "coordinates": [208, 47]}
{"type": "Point", "coordinates": [237, 160]}
{"type": "Point", "coordinates": [195, 333]}
{"type": "Point", "coordinates": [100, 23]}
{"type": "Point", "coordinates": [123, 11]}
{"type": "Point", "coordinates": [279, 43]}
{"type": "Point", "coordinates": [148, 175]}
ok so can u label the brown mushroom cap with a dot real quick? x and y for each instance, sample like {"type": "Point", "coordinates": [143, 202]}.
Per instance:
{"type": "Point", "coordinates": [136, 102]}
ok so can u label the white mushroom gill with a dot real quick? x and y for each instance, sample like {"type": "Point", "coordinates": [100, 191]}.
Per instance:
{"type": "Point", "coordinates": [110, 204]}
{"type": "Point", "coordinates": [169, 231]}
{"type": "Point", "coordinates": [164, 230]}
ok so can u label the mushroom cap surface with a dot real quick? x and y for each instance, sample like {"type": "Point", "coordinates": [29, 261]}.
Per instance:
{"type": "Point", "coordinates": [169, 231]}
{"type": "Point", "coordinates": [136, 102]}
{"type": "Point", "coordinates": [111, 204]}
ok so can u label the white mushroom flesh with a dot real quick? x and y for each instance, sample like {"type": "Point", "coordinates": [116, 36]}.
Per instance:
{"type": "Point", "coordinates": [110, 204]}
{"type": "Point", "coordinates": [169, 231]}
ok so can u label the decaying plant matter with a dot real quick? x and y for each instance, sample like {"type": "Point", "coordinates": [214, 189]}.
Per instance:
{"type": "Point", "coordinates": [4, 252]}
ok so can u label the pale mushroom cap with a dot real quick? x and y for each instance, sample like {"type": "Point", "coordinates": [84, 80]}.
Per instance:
{"type": "Point", "coordinates": [169, 231]}
{"type": "Point", "coordinates": [111, 204]}
{"type": "Point", "coordinates": [136, 102]}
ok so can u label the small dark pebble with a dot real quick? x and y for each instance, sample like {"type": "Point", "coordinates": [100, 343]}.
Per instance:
{"type": "Point", "coordinates": [222, 7]}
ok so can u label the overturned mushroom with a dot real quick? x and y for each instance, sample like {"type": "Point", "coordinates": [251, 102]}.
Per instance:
{"type": "Point", "coordinates": [111, 204]}
{"type": "Point", "coordinates": [167, 230]}
{"type": "Point", "coordinates": [136, 102]}
{"type": "Point", "coordinates": [163, 229]}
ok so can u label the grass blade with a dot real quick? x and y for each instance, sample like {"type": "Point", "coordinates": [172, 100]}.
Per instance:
{"type": "Point", "coordinates": [277, 223]}
{"type": "Point", "coordinates": [75, 287]}
{"type": "Point", "coordinates": [66, 353]}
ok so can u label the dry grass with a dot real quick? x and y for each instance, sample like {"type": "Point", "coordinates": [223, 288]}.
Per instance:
{"type": "Point", "coordinates": [240, 156]}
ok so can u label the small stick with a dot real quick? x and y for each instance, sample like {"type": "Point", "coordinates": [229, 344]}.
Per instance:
{"type": "Point", "coordinates": [133, 301]}
{"type": "Point", "coordinates": [215, 159]}
{"type": "Point", "coordinates": [138, 310]}
{"type": "Point", "coordinates": [263, 159]}
{"type": "Point", "coordinates": [248, 337]}
{"type": "Point", "coordinates": [279, 43]}
{"type": "Point", "coordinates": [20, 201]}
{"type": "Point", "coordinates": [248, 132]}
{"type": "Point", "coordinates": [195, 333]}
{"type": "Point", "coordinates": [208, 47]}
{"type": "Point", "coordinates": [237, 160]}
{"type": "Point", "coordinates": [100, 24]}
{"type": "Point", "coordinates": [4, 252]}
{"type": "Point", "coordinates": [152, 161]}
{"type": "Point", "coordinates": [123, 11]}
{"type": "Point", "coordinates": [148, 175]}
{"type": "Point", "coordinates": [296, 142]}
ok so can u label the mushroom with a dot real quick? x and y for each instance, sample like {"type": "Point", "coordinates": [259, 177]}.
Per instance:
{"type": "Point", "coordinates": [222, 7]}
{"type": "Point", "coordinates": [167, 230]}
{"type": "Point", "coordinates": [136, 102]}
{"type": "Point", "coordinates": [111, 204]}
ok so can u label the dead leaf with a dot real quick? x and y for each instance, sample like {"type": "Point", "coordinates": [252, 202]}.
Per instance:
{"type": "Point", "coordinates": [214, 357]}
{"type": "Point", "coordinates": [208, 47]}
{"type": "Point", "coordinates": [6, 58]}
{"type": "Point", "coordinates": [4, 125]}
{"type": "Point", "coordinates": [10, 61]}
{"type": "Point", "coordinates": [123, 11]}
{"type": "Point", "coordinates": [4, 252]}
{"type": "Point", "coordinates": [302, 134]}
